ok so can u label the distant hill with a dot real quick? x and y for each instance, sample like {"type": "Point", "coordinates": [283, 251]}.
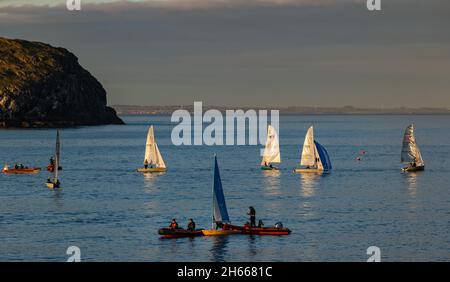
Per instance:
{"type": "Point", "coordinates": [348, 110]}
{"type": "Point", "coordinates": [44, 86]}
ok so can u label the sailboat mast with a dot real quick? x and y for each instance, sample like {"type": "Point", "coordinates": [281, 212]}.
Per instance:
{"type": "Point", "coordinates": [57, 153]}
{"type": "Point", "coordinates": [212, 190]}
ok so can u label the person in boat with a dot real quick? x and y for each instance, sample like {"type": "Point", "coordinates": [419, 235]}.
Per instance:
{"type": "Point", "coordinates": [52, 161]}
{"type": "Point", "coordinates": [48, 180]}
{"type": "Point", "coordinates": [191, 225]}
{"type": "Point", "coordinates": [260, 223]}
{"type": "Point", "coordinates": [270, 166]}
{"type": "Point", "coordinates": [173, 224]}
{"type": "Point", "coordinates": [145, 164]}
{"type": "Point", "coordinates": [16, 166]}
{"type": "Point", "coordinates": [265, 164]}
{"type": "Point", "coordinates": [252, 214]}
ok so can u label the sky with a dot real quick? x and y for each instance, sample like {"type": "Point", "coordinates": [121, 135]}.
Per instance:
{"type": "Point", "coordinates": [269, 53]}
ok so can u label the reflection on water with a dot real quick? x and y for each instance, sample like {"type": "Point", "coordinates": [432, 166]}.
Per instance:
{"type": "Point", "coordinates": [150, 180]}
{"type": "Point", "coordinates": [412, 179]}
{"type": "Point", "coordinates": [309, 183]}
{"type": "Point", "coordinates": [272, 182]}
{"type": "Point", "coordinates": [219, 247]}
{"type": "Point", "coordinates": [252, 250]}
{"type": "Point", "coordinates": [57, 197]}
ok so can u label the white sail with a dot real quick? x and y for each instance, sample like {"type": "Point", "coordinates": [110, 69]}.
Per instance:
{"type": "Point", "coordinates": [272, 150]}
{"type": "Point", "coordinates": [410, 149]}
{"type": "Point", "coordinates": [152, 153]}
{"type": "Point", "coordinates": [309, 155]}
{"type": "Point", "coordinates": [159, 160]}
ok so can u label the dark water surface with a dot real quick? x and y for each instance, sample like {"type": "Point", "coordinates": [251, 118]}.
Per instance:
{"type": "Point", "coordinates": [113, 213]}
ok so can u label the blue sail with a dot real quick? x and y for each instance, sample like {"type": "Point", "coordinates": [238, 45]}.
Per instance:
{"type": "Point", "coordinates": [324, 157]}
{"type": "Point", "coordinates": [220, 208]}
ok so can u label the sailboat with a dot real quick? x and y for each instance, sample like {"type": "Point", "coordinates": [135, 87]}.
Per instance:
{"type": "Point", "coordinates": [410, 151]}
{"type": "Point", "coordinates": [220, 212]}
{"type": "Point", "coordinates": [272, 150]}
{"type": "Point", "coordinates": [52, 184]}
{"type": "Point", "coordinates": [153, 161]}
{"type": "Point", "coordinates": [314, 157]}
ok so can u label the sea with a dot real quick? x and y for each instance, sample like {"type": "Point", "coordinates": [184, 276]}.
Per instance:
{"type": "Point", "coordinates": [112, 213]}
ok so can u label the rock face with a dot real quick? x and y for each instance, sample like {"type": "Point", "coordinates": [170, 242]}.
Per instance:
{"type": "Point", "coordinates": [43, 86]}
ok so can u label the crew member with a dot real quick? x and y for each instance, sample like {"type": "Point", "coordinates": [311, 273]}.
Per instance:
{"type": "Point", "coordinates": [191, 225]}
{"type": "Point", "coordinates": [252, 214]}
{"type": "Point", "coordinates": [174, 224]}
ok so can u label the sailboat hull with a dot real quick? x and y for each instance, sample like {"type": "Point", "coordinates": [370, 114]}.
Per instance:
{"type": "Point", "coordinates": [308, 170]}
{"type": "Point", "coordinates": [149, 170]}
{"type": "Point", "coordinates": [269, 168]}
{"type": "Point", "coordinates": [413, 169]}
{"type": "Point", "coordinates": [52, 185]}
{"type": "Point", "coordinates": [220, 232]}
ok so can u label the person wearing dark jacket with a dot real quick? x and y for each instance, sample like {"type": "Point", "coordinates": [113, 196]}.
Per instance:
{"type": "Point", "coordinates": [191, 225]}
{"type": "Point", "coordinates": [252, 214]}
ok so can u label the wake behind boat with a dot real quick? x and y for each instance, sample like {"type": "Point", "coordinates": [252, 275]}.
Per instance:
{"type": "Point", "coordinates": [153, 161]}
{"type": "Point", "coordinates": [314, 157]}
{"type": "Point", "coordinates": [410, 152]}
{"type": "Point", "coordinates": [272, 150]}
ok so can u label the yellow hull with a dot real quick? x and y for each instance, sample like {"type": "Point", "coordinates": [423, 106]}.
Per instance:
{"type": "Point", "coordinates": [52, 185]}
{"type": "Point", "coordinates": [219, 232]}
{"type": "Point", "coordinates": [155, 169]}
{"type": "Point", "coordinates": [308, 170]}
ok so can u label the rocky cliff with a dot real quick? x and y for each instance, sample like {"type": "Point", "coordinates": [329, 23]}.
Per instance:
{"type": "Point", "coordinates": [44, 86]}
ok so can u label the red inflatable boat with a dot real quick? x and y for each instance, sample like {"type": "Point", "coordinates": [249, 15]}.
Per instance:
{"type": "Point", "coordinates": [258, 230]}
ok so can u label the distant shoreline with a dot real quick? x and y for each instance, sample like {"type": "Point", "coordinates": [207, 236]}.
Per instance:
{"type": "Point", "coordinates": [285, 111]}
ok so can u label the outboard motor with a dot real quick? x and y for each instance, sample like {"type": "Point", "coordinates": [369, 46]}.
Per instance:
{"type": "Point", "coordinates": [279, 224]}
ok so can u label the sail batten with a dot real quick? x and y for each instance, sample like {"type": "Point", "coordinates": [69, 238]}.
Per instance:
{"type": "Point", "coordinates": [272, 150]}
{"type": "Point", "coordinates": [410, 149]}
{"type": "Point", "coordinates": [220, 212]}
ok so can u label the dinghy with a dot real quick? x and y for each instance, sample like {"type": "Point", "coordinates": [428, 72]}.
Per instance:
{"type": "Point", "coordinates": [6, 169]}
{"type": "Point", "coordinates": [178, 233]}
{"type": "Point", "coordinates": [272, 150]}
{"type": "Point", "coordinates": [314, 156]}
{"type": "Point", "coordinates": [153, 161]}
{"type": "Point", "coordinates": [52, 165]}
{"type": "Point", "coordinates": [275, 230]}
{"type": "Point", "coordinates": [220, 212]}
{"type": "Point", "coordinates": [53, 184]}
{"type": "Point", "coordinates": [410, 152]}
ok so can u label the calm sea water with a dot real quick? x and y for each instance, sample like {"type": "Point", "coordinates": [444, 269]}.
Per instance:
{"type": "Point", "coordinates": [113, 213]}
